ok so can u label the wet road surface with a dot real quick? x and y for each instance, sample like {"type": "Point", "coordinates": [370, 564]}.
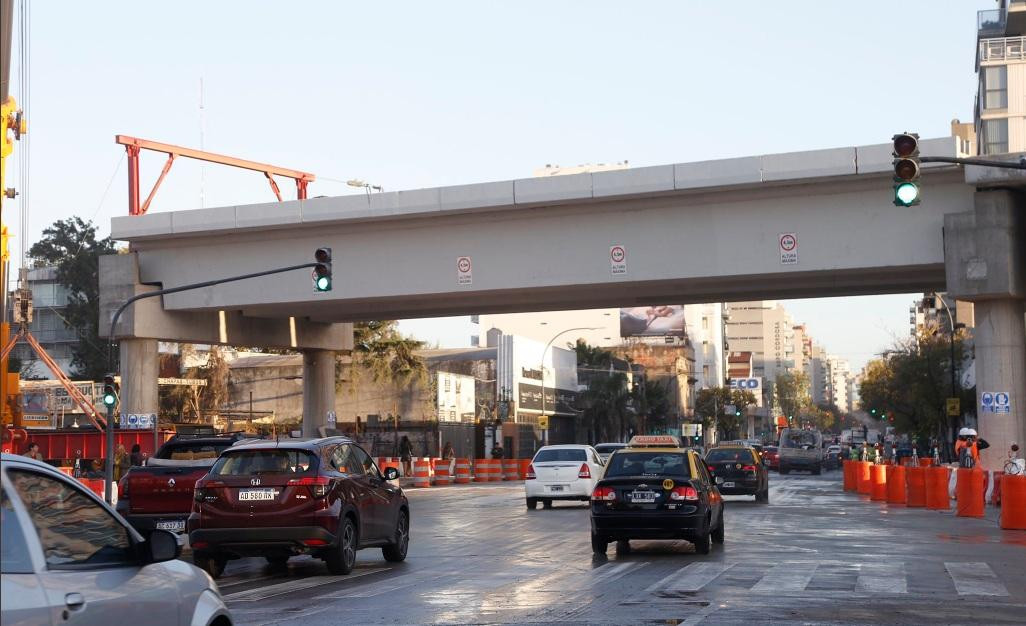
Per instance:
{"type": "Point", "coordinates": [814, 554]}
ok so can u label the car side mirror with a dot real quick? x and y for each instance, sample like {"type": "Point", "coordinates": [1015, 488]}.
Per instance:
{"type": "Point", "coordinates": [161, 546]}
{"type": "Point", "coordinates": [391, 473]}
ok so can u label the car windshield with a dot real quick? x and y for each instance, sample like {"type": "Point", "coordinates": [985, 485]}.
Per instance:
{"type": "Point", "coordinates": [719, 455]}
{"type": "Point", "coordinates": [192, 450]}
{"type": "Point", "coordinates": [546, 455]}
{"type": "Point", "coordinates": [802, 439]}
{"type": "Point", "coordinates": [606, 448]}
{"type": "Point", "coordinates": [648, 464]}
{"type": "Point", "coordinates": [276, 461]}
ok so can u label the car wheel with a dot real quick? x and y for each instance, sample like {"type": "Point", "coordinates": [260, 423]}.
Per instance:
{"type": "Point", "coordinates": [547, 504]}
{"type": "Point", "coordinates": [599, 544]}
{"type": "Point", "coordinates": [277, 562]}
{"type": "Point", "coordinates": [341, 558]}
{"type": "Point", "coordinates": [717, 535]}
{"type": "Point", "coordinates": [212, 564]}
{"type": "Point", "coordinates": [532, 503]}
{"type": "Point", "coordinates": [623, 546]}
{"type": "Point", "coordinates": [702, 542]}
{"type": "Point", "coordinates": [396, 551]}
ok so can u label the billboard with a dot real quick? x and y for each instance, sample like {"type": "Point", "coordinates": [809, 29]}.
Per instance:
{"type": "Point", "coordinates": [652, 321]}
{"type": "Point", "coordinates": [753, 384]}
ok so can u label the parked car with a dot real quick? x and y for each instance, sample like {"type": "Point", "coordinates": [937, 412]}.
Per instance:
{"type": "Point", "coordinates": [565, 472]}
{"type": "Point", "coordinates": [277, 499]}
{"type": "Point", "coordinates": [771, 457]}
{"type": "Point", "coordinates": [159, 494]}
{"type": "Point", "coordinates": [801, 449]}
{"type": "Point", "coordinates": [606, 449]}
{"type": "Point", "coordinates": [68, 557]}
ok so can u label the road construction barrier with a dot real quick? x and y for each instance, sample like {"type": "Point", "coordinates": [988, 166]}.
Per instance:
{"type": "Point", "coordinates": [441, 469]}
{"type": "Point", "coordinates": [850, 480]}
{"type": "Point", "coordinates": [510, 469]}
{"type": "Point", "coordinates": [487, 470]}
{"type": "Point", "coordinates": [993, 495]}
{"type": "Point", "coordinates": [937, 497]}
{"type": "Point", "coordinates": [969, 492]}
{"type": "Point", "coordinates": [863, 477]}
{"type": "Point", "coordinates": [896, 484]}
{"type": "Point", "coordinates": [915, 486]}
{"type": "Point", "coordinates": [463, 475]}
{"type": "Point", "coordinates": [878, 483]}
{"type": "Point", "coordinates": [523, 465]}
{"type": "Point", "coordinates": [421, 473]}
{"type": "Point", "coordinates": [927, 462]}
{"type": "Point", "coordinates": [1013, 502]}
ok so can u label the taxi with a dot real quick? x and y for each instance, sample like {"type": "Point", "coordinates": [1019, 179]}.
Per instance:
{"type": "Point", "coordinates": [655, 489]}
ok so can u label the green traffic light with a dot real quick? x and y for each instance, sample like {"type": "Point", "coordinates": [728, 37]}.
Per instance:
{"type": "Point", "coordinates": [872, 411]}
{"type": "Point", "coordinates": [109, 399]}
{"type": "Point", "coordinates": [323, 283]}
{"type": "Point", "coordinates": [906, 194]}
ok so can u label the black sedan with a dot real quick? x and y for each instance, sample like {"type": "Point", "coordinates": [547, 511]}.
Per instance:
{"type": "Point", "coordinates": [739, 470]}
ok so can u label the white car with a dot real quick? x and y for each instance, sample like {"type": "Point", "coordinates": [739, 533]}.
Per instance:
{"type": "Point", "coordinates": [605, 450]}
{"type": "Point", "coordinates": [567, 472]}
{"type": "Point", "coordinates": [67, 556]}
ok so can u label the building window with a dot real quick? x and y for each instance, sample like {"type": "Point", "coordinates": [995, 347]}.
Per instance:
{"type": "Point", "coordinates": [995, 87]}
{"type": "Point", "coordinates": [705, 372]}
{"type": "Point", "coordinates": [995, 136]}
{"type": "Point", "coordinates": [705, 323]}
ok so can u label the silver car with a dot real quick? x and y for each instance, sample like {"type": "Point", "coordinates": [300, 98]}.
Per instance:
{"type": "Point", "coordinates": [68, 558]}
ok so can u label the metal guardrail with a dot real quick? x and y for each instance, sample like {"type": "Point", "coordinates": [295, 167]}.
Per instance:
{"type": "Point", "coordinates": [1003, 49]}
{"type": "Point", "coordinates": [991, 22]}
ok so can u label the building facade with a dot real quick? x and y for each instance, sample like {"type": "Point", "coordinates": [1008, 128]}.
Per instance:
{"type": "Point", "coordinates": [49, 302]}
{"type": "Point", "coordinates": [1000, 108]}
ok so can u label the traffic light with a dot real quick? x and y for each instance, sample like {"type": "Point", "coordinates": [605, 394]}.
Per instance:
{"type": "Point", "coordinates": [737, 412]}
{"type": "Point", "coordinates": [322, 271]}
{"type": "Point", "coordinates": [872, 411]}
{"type": "Point", "coordinates": [906, 169]}
{"type": "Point", "coordinates": [110, 392]}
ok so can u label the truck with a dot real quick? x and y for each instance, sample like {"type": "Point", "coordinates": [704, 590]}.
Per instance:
{"type": "Point", "coordinates": [801, 449]}
{"type": "Point", "coordinates": [159, 494]}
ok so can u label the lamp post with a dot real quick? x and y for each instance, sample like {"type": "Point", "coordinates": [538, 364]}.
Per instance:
{"type": "Point", "coordinates": [545, 431]}
{"type": "Point", "coordinates": [366, 186]}
{"type": "Point", "coordinates": [952, 327]}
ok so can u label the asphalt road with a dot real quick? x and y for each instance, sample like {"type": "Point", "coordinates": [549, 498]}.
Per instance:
{"type": "Point", "coordinates": [814, 554]}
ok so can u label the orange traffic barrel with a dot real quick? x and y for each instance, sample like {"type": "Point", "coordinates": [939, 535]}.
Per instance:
{"type": "Point", "coordinates": [878, 483]}
{"type": "Point", "coordinates": [850, 482]}
{"type": "Point", "coordinates": [462, 471]}
{"type": "Point", "coordinates": [926, 462]}
{"type": "Point", "coordinates": [510, 469]}
{"type": "Point", "coordinates": [484, 471]}
{"type": "Point", "coordinates": [937, 489]}
{"type": "Point", "coordinates": [896, 484]}
{"type": "Point", "coordinates": [442, 476]}
{"type": "Point", "coordinates": [969, 492]}
{"type": "Point", "coordinates": [422, 473]}
{"type": "Point", "coordinates": [915, 484]}
{"type": "Point", "coordinates": [522, 465]}
{"type": "Point", "coordinates": [862, 477]}
{"type": "Point", "coordinates": [1013, 502]}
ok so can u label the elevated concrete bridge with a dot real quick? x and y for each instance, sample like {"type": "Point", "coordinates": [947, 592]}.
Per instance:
{"type": "Point", "coordinates": [691, 232]}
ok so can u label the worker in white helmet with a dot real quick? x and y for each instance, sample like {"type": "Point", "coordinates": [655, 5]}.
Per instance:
{"type": "Point", "coordinates": [968, 446]}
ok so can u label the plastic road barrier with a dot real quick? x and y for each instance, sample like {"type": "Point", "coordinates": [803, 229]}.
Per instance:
{"type": "Point", "coordinates": [937, 489]}
{"type": "Point", "coordinates": [878, 483]}
{"type": "Point", "coordinates": [421, 473]}
{"type": "Point", "coordinates": [926, 462]}
{"type": "Point", "coordinates": [487, 470]}
{"type": "Point", "coordinates": [523, 464]}
{"type": "Point", "coordinates": [915, 486]}
{"type": "Point", "coordinates": [1013, 502]}
{"type": "Point", "coordinates": [896, 484]}
{"type": "Point", "coordinates": [510, 469]}
{"type": "Point", "coordinates": [462, 471]}
{"type": "Point", "coordinates": [850, 481]}
{"type": "Point", "coordinates": [442, 472]}
{"type": "Point", "coordinates": [863, 477]}
{"type": "Point", "coordinates": [969, 492]}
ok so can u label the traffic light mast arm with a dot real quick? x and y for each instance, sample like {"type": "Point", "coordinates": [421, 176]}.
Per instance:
{"type": "Point", "coordinates": [162, 292]}
{"type": "Point", "coordinates": [1020, 165]}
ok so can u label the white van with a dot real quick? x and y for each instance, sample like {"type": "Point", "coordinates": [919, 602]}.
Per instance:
{"type": "Point", "coordinates": [801, 449]}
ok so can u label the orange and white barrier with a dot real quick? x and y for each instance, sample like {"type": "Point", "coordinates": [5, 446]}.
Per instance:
{"type": "Point", "coordinates": [463, 473]}
{"type": "Point", "coordinates": [510, 469]}
{"type": "Point", "coordinates": [1013, 502]}
{"type": "Point", "coordinates": [421, 473]}
{"type": "Point", "coordinates": [522, 465]}
{"type": "Point", "coordinates": [442, 476]}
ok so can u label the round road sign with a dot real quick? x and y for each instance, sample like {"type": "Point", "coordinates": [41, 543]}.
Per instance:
{"type": "Point", "coordinates": [617, 254]}
{"type": "Point", "coordinates": [463, 264]}
{"type": "Point", "coordinates": [788, 242]}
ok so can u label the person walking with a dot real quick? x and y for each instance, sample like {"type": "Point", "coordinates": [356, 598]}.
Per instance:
{"type": "Point", "coordinates": [136, 457]}
{"type": "Point", "coordinates": [449, 454]}
{"type": "Point", "coordinates": [33, 451]}
{"type": "Point", "coordinates": [406, 455]}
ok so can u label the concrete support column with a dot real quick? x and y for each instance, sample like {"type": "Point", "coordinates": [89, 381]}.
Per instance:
{"type": "Point", "coordinates": [1000, 338]}
{"type": "Point", "coordinates": [318, 389]}
{"type": "Point", "coordinates": [140, 366]}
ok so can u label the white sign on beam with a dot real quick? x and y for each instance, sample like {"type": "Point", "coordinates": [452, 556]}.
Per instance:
{"type": "Point", "coordinates": [190, 382]}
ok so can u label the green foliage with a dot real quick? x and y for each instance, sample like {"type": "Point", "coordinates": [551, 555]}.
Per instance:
{"type": "Point", "coordinates": [607, 400]}
{"type": "Point", "coordinates": [71, 245]}
{"type": "Point", "coordinates": [194, 403]}
{"type": "Point", "coordinates": [710, 404]}
{"type": "Point", "coordinates": [791, 392]}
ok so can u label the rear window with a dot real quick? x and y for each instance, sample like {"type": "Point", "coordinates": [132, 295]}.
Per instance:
{"type": "Point", "coordinates": [276, 461]}
{"type": "Point", "coordinates": [192, 450]}
{"type": "Point", "coordinates": [648, 464]}
{"type": "Point", "coordinates": [718, 455]}
{"type": "Point", "coordinates": [609, 447]}
{"type": "Point", "coordinates": [801, 439]}
{"type": "Point", "coordinates": [560, 454]}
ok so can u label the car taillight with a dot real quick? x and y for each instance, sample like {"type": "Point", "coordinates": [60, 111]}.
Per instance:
{"type": "Point", "coordinates": [711, 468]}
{"type": "Point", "coordinates": [318, 484]}
{"type": "Point", "coordinates": [749, 468]}
{"type": "Point", "coordinates": [530, 472]}
{"type": "Point", "coordinates": [604, 494]}
{"type": "Point", "coordinates": [204, 491]}
{"type": "Point", "coordinates": [683, 493]}
{"type": "Point", "coordinates": [584, 472]}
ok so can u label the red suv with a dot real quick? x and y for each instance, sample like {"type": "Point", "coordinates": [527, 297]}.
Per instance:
{"type": "Point", "coordinates": [278, 499]}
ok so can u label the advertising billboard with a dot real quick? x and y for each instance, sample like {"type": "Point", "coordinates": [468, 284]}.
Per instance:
{"type": "Point", "coordinates": [749, 384]}
{"type": "Point", "coordinates": [652, 321]}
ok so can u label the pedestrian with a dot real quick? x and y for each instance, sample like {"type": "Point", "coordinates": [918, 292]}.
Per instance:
{"type": "Point", "coordinates": [406, 455]}
{"type": "Point", "coordinates": [121, 462]}
{"type": "Point", "coordinates": [449, 454]}
{"type": "Point", "coordinates": [136, 457]}
{"type": "Point", "coordinates": [497, 451]}
{"type": "Point", "coordinates": [968, 446]}
{"type": "Point", "coordinates": [33, 451]}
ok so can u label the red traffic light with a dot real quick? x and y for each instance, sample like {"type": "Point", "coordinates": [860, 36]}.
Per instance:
{"type": "Point", "coordinates": [906, 144]}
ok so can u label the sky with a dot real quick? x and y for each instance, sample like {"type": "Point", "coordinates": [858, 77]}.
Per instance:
{"type": "Point", "coordinates": [414, 94]}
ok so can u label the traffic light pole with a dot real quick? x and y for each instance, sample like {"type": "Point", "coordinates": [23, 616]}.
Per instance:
{"type": "Point", "coordinates": [108, 479]}
{"type": "Point", "coordinates": [1021, 165]}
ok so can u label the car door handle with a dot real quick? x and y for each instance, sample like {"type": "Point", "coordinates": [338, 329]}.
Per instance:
{"type": "Point", "coordinates": [74, 601]}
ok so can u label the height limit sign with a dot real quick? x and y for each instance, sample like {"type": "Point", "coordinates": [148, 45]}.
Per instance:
{"type": "Point", "coordinates": [618, 259]}
{"type": "Point", "coordinates": [788, 248]}
{"type": "Point", "coordinates": [464, 273]}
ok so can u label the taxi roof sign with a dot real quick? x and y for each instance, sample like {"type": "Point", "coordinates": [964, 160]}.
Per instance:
{"type": "Point", "coordinates": [652, 441]}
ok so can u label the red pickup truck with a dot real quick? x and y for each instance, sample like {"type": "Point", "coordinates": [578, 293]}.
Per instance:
{"type": "Point", "coordinates": [159, 494]}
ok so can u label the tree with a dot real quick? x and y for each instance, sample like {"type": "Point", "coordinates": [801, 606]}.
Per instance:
{"type": "Point", "coordinates": [195, 403]}
{"type": "Point", "coordinates": [710, 405]}
{"type": "Point", "coordinates": [791, 392]}
{"type": "Point", "coordinates": [71, 245]}
{"type": "Point", "coordinates": [606, 401]}
{"type": "Point", "coordinates": [654, 403]}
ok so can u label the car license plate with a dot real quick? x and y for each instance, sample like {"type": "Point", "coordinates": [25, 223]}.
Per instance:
{"type": "Point", "coordinates": [555, 487]}
{"type": "Point", "coordinates": [728, 484]}
{"type": "Point", "coordinates": [172, 525]}
{"type": "Point", "coordinates": [643, 497]}
{"type": "Point", "coordinates": [256, 494]}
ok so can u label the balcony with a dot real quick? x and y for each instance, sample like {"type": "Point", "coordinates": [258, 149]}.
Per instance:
{"type": "Point", "coordinates": [991, 23]}
{"type": "Point", "coordinates": [1001, 50]}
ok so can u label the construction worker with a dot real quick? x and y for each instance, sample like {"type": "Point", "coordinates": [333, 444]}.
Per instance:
{"type": "Point", "coordinates": [968, 446]}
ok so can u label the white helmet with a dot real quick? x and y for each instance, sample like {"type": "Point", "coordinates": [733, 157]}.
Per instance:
{"type": "Point", "coordinates": [965, 432]}
{"type": "Point", "coordinates": [971, 432]}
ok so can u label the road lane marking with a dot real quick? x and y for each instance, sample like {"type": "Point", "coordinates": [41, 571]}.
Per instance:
{"type": "Point", "coordinates": [882, 578]}
{"type": "Point", "coordinates": [691, 577]}
{"type": "Point", "coordinates": [787, 576]}
{"type": "Point", "coordinates": [369, 590]}
{"type": "Point", "coordinates": [262, 593]}
{"type": "Point", "coordinates": [975, 579]}
{"type": "Point", "coordinates": [615, 571]}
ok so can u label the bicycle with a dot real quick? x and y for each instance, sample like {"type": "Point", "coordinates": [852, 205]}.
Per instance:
{"type": "Point", "coordinates": [1014, 465]}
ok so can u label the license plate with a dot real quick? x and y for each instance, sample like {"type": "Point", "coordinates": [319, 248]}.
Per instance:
{"type": "Point", "coordinates": [728, 484]}
{"type": "Point", "coordinates": [555, 487]}
{"type": "Point", "coordinates": [172, 525]}
{"type": "Point", "coordinates": [256, 494]}
{"type": "Point", "coordinates": [643, 497]}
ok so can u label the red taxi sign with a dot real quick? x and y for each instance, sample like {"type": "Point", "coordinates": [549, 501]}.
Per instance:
{"type": "Point", "coordinates": [650, 441]}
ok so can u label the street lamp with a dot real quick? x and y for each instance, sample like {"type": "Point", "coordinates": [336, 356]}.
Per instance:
{"type": "Point", "coordinates": [952, 326]}
{"type": "Point", "coordinates": [545, 432]}
{"type": "Point", "coordinates": [355, 182]}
